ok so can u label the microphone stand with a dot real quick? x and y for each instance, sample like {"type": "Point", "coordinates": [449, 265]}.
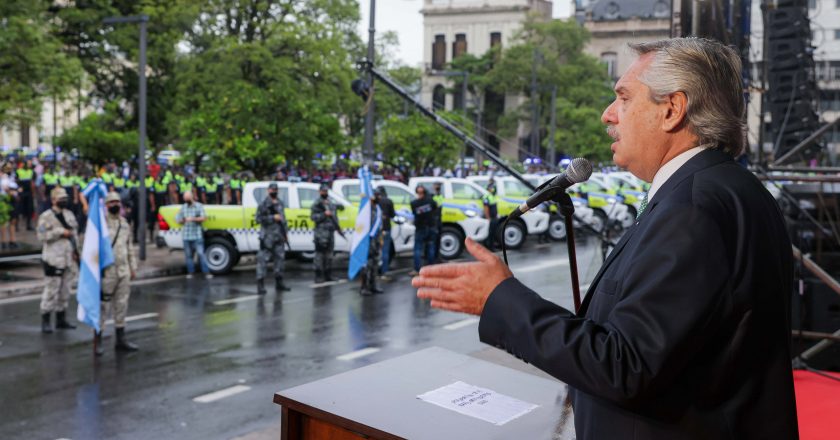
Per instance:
{"type": "Point", "coordinates": [567, 208]}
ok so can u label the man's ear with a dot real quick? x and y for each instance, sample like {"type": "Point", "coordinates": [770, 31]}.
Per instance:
{"type": "Point", "coordinates": [676, 111]}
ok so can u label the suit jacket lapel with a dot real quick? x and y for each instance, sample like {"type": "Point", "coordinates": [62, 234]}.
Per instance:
{"type": "Point", "coordinates": [703, 160]}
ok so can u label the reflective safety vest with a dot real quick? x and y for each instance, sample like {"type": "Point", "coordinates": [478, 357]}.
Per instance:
{"type": "Point", "coordinates": [150, 182]}
{"type": "Point", "coordinates": [67, 181]}
{"type": "Point", "coordinates": [119, 182]}
{"type": "Point", "coordinates": [186, 186]}
{"type": "Point", "coordinates": [219, 182]}
{"type": "Point", "coordinates": [108, 178]}
{"type": "Point", "coordinates": [235, 184]}
{"type": "Point", "coordinates": [438, 198]}
{"type": "Point", "coordinates": [160, 187]}
{"type": "Point", "coordinates": [50, 179]}
{"type": "Point", "coordinates": [24, 175]}
{"type": "Point", "coordinates": [201, 183]}
{"type": "Point", "coordinates": [132, 184]}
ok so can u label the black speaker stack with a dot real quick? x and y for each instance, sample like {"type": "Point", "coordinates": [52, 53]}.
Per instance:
{"type": "Point", "coordinates": [792, 93]}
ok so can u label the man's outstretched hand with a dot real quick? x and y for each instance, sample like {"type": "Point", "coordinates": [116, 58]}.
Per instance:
{"type": "Point", "coordinates": [462, 287]}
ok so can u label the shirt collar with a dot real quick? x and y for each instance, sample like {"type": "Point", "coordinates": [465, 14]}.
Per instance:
{"type": "Point", "coordinates": [668, 170]}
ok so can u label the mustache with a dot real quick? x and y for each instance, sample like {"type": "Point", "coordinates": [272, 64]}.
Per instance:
{"type": "Point", "coordinates": [613, 132]}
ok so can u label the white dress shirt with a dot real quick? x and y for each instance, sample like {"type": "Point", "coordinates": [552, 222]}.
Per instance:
{"type": "Point", "coordinates": [670, 168]}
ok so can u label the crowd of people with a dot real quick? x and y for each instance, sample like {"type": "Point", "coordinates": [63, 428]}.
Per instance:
{"type": "Point", "coordinates": [26, 184]}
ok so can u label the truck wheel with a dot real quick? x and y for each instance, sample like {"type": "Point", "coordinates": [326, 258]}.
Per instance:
{"type": "Point", "coordinates": [557, 228]}
{"type": "Point", "coordinates": [451, 243]}
{"type": "Point", "coordinates": [599, 220]}
{"type": "Point", "coordinates": [221, 255]}
{"type": "Point", "coordinates": [514, 235]}
{"type": "Point", "coordinates": [306, 257]}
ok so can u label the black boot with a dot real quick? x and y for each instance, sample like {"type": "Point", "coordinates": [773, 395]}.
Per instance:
{"type": "Point", "coordinates": [279, 286]}
{"type": "Point", "coordinates": [365, 289]}
{"type": "Point", "coordinates": [328, 274]}
{"type": "Point", "coordinates": [374, 287]}
{"type": "Point", "coordinates": [46, 327]}
{"type": "Point", "coordinates": [122, 343]}
{"type": "Point", "coordinates": [260, 287]}
{"type": "Point", "coordinates": [98, 349]}
{"type": "Point", "coordinates": [61, 321]}
{"type": "Point", "coordinates": [319, 276]}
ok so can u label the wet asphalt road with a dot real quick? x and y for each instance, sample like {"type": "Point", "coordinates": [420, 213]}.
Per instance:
{"type": "Point", "coordinates": [198, 337]}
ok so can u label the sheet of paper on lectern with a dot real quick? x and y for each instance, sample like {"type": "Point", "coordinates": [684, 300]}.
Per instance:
{"type": "Point", "coordinates": [480, 403]}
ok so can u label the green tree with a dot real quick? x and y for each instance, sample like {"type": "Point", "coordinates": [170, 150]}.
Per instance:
{"type": "Point", "coordinates": [583, 87]}
{"type": "Point", "coordinates": [413, 142]}
{"type": "Point", "coordinates": [109, 54]}
{"type": "Point", "coordinates": [33, 65]}
{"type": "Point", "coordinates": [267, 82]}
{"type": "Point", "coordinates": [101, 137]}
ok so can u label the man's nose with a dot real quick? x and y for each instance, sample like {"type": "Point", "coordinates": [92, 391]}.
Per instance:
{"type": "Point", "coordinates": [608, 117]}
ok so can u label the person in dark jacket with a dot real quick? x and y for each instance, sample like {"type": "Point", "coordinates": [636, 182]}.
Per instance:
{"type": "Point", "coordinates": [684, 332]}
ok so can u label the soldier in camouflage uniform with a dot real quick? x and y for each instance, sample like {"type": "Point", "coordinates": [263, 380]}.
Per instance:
{"type": "Point", "coordinates": [323, 214]}
{"type": "Point", "coordinates": [116, 278]}
{"type": "Point", "coordinates": [57, 229]}
{"type": "Point", "coordinates": [370, 271]}
{"type": "Point", "coordinates": [272, 219]}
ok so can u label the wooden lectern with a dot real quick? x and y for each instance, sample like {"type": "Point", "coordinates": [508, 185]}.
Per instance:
{"type": "Point", "coordinates": [379, 401]}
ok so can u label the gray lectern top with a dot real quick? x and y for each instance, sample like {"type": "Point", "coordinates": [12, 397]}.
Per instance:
{"type": "Point", "coordinates": [383, 396]}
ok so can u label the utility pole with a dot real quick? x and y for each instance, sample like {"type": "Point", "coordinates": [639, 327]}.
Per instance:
{"type": "Point", "coordinates": [552, 153]}
{"type": "Point", "coordinates": [367, 146]}
{"type": "Point", "coordinates": [535, 108]}
{"type": "Point", "coordinates": [141, 159]}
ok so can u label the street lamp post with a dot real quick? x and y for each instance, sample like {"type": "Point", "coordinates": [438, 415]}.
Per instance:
{"type": "Point", "coordinates": [141, 160]}
{"type": "Point", "coordinates": [367, 147]}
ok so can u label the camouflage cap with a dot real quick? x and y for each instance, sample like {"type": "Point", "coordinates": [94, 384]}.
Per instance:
{"type": "Point", "coordinates": [324, 187]}
{"type": "Point", "coordinates": [58, 193]}
{"type": "Point", "coordinates": [112, 196]}
{"type": "Point", "coordinates": [272, 185]}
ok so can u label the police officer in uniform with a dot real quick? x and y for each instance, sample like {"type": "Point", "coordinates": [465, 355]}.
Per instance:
{"type": "Point", "coordinates": [26, 183]}
{"type": "Point", "coordinates": [371, 269]}
{"type": "Point", "coordinates": [323, 214]}
{"type": "Point", "coordinates": [272, 219]}
{"type": "Point", "coordinates": [491, 213]}
{"type": "Point", "coordinates": [116, 278]}
{"type": "Point", "coordinates": [57, 229]}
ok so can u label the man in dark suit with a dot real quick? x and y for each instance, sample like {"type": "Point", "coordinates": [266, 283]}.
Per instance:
{"type": "Point", "coordinates": [684, 333]}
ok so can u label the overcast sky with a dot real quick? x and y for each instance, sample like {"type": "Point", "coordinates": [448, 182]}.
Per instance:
{"type": "Point", "coordinates": [403, 16]}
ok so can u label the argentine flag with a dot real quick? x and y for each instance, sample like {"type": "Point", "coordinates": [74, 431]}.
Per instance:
{"type": "Point", "coordinates": [96, 255]}
{"type": "Point", "coordinates": [364, 229]}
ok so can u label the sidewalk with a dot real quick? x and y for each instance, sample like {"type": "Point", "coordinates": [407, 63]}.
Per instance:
{"type": "Point", "coordinates": [27, 277]}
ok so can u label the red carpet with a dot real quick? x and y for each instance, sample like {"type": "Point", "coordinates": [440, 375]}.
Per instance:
{"type": "Point", "coordinates": [818, 406]}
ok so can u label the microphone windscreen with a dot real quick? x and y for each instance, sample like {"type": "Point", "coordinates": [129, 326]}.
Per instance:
{"type": "Point", "coordinates": [579, 170]}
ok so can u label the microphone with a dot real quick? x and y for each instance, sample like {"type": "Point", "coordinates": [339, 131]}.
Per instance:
{"type": "Point", "coordinates": [578, 171]}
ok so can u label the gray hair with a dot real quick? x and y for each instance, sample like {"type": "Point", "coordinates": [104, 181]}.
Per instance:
{"type": "Point", "coordinates": [709, 74]}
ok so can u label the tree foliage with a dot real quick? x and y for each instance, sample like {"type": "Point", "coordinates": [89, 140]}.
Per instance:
{"type": "Point", "coordinates": [414, 143]}
{"type": "Point", "coordinates": [583, 86]}
{"type": "Point", "coordinates": [101, 137]}
{"type": "Point", "coordinates": [33, 63]}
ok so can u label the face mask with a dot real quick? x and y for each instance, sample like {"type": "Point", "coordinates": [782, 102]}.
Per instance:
{"type": "Point", "coordinates": [114, 209]}
{"type": "Point", "coordinates": [62, 204]}
{"type": "Point", "coordinates": [324, 196]}
{"type": "Point", "coordinates": [273, 195]}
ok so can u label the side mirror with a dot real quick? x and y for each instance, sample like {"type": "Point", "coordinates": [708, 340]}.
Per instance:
{"type": "Point", "coordinates": [340, 207]}
{"type": "Point", "coordinates": [399, 220]}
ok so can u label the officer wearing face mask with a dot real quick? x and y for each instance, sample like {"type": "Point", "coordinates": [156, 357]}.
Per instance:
{"type": "Point", "coordinates": [272, 219]}
{"type": "Point", "coordinates": [323, 213]}
{"type": "Point", "coordinates": [57, 230]}
{"type": "Point", "coordinates": [116, 278]}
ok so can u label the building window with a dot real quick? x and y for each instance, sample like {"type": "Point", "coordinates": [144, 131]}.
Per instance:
{"type": "Point", "coordinates": [439, 52]}
{"type": "Point", "coordinates": [610, 59]}
{"type": "Point", "coordinates": [438, 98]}
{"type": "Point", "coordinates": [459, 47]}
{"type": "Point", "coordinates": [837, 34]}
{"type": "Point", "coordinates": [495, 39]}
{"type": "Point", "coordinates": [458, 97]}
